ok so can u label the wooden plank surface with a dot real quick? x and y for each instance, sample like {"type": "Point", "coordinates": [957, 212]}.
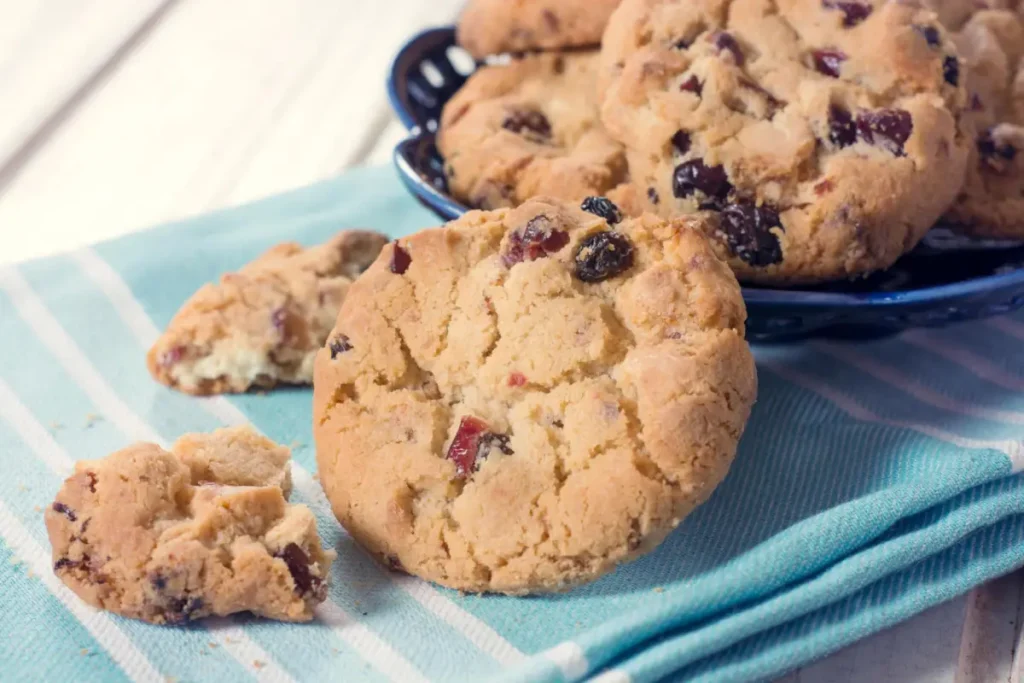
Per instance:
{"type": "Point", "coordinates": [118, 114]}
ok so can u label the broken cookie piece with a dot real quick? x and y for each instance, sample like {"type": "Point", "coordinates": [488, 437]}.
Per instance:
{"type": "Point", "coordinates": [263, 325]}
{"type": "Point", "coordinates": [169, 537]}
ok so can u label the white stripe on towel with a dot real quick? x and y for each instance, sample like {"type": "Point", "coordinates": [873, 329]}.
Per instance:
{"type": "Point", "coordinates": [135, 318]}
{"type": "Point", "coordinates": [980, 366]}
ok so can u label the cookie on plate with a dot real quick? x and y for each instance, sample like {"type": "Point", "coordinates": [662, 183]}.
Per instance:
{"type": "Point", "coordinates": [526, 128]}
{"type": "Point", "coordinates": [491, 27]}
{"type": "Point", "coordinates": [821, 136]}
{"type": "Point", "coordinates": [525, 398]}
{"type": "Point", "coordinates": [991, 203]}
{"type": "Point", "coordinates": [262, 325]}
{"type": "Point", "coordinates": [201, 530]}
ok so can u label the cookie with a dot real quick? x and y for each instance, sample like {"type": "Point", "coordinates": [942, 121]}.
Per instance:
{"type": "Point", "coordinates": [262, 325]}
{"type": "Point", "coordinates": [991, 203]}
{"type": "Point", "coordinates": [527, 128]}
{"type": "Point", "coordinates": [148, 534]}
{"type": "Point", "coordinates": [529, 397]}
{"type": "Point", "coordinates": [820, 136]}
{"type": "Point", "coordinates": [491, 27]}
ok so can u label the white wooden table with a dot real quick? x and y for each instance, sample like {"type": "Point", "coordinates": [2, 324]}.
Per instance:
{"type": "Point", "coordinates": [118, 114]}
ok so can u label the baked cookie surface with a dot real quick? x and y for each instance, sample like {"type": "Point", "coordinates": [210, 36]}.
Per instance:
{"type": "Point", "coordinates": [821, 136]}
{"type": "Point", "coordinates": [201, 530]}
{"type": "Point", "coordinates": [491, 27]}
{"type": "Point", "coordinates": [991, 203]}
{"type": "Point", "coordinates": [530, 127]}
{"type": "Point", "coordinates": [262, 325]}
{"type": "Point", "coordinates": [523, 399]}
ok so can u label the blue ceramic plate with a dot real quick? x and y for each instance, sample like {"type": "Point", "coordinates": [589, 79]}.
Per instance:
{"type": "Point", "coordinates": [946, 279]}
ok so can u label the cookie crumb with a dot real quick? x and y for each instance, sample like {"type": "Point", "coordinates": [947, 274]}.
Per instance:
{"type": "Point", "coordinates": [213, 644]}
{"type": "Point", "coordinates": [37, 508]}
{"type": "Point", "coordinates": [91, 419]}
{"type": "Point", "coordinates": [258, 664]}
{"type": "Point", "coordinates": [84, 652]}
{"type": "Point", "coordinates": [295, 445]}
{"type": "Point", "coordinates": [659, 589]}
{"type": "Point", "coordinates": [230, 641]}
{"type": "Point", "coordinates": [22, 487]}
{"type": "Point", "coordinates": [56, 426]}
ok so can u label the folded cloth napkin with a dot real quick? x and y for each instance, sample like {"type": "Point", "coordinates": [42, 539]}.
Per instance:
{"type": "Point", "coordinates": [875, 479]}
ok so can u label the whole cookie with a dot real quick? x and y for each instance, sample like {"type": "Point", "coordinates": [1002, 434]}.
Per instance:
{"type": "Point", "coordinates": [527, 128]}
{"type": "Point", "coordinates": [991, 203]}
{"type": "Point", "coordinates": [523, 399]}
{"type": "Point", "coordinates": [821, 135]}
{"type": "Point", "coordinates": [490, 27]}
{"type": "Point", "coordinates": [204, 529]}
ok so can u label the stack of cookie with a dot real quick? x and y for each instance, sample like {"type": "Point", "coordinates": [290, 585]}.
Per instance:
{"type": "Point", "coordinates": [821, 139]}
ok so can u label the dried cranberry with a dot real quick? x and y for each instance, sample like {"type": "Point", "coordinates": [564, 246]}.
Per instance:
{"type": "Point", "coordinates": [339, 344]}
{"type": "Point", "coordinates": [681, 141]}
{"type": "Point", "coordinates": [747, 228]}
{"type": "Point", "coordinates": [551, 19]}
{"type": "Point", "coordinates": [527, 122]}
{"type": "Point", "coordinates": [603, 255]}
{"type": "Point", "coordinates": [171, 356]}
{"type": "Point", "coordinates": [930, 33]}
{"type": "Point", "coordinates": [298, 566]}
{"type": "Point", "coordinates": [537, 239]}
{"type": "Point", "coordinates": [474, 441]}
{"type": "Point", "coordinates": [92, 484]}
{"type": "Point", "coordinates": [887, 128]}
{"type": "Point", "coordinates": [694, 175]}
{"type": "Point", "coordinates": [65, 510]}
{"type": "Point", "coordinates": [603, 207]}
{"type": "Point", "coordinates": [725, 41]}
{"type": "Point", "coordinates": [516, 379]}
{"type": "Point", "coordinates": [951, 70]}
{"type": "Point", "coordinates": [652, 195]}
{"type": "Point", "coordinates": [824, 187]}
{"type": "Point", "coordinates": [691, 84]}
{"type": "Point", "coordinates": [828, 61]}
{"type": "Point", "coordinates": [853, 12]}
{"type": "Point", "coordinates": [842, 131]}
{"type": "Point", "coordinates": [400, 260]}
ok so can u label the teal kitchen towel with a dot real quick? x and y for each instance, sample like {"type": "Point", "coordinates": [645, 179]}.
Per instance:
{"type": "Point", "coordinates": [875, 480]}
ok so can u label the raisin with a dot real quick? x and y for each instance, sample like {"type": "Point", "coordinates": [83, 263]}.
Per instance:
{"type": "Point", "coordinates": [394, 564]}
{"type": "Point", "coordinates": [747, 228]}
{"type": "Point", "coordinates": [603, 255]}
{"type": "Point", "coordinates": [92, 482]}
{"type": "Point", "coordinates": [65, 563]}
{"type": "Point", "coordinates": [182, 609]}
{"type": "Point", "coordinates": [951, 70]}
{"type": "Point", "coordinates": [298, 566]}
{"type": "Point", "coordinates": [694, 175]}
{"type": "Point", "coordinates": [725, 42]}
{"type": "Point", "coordinates": [652, 195]}
{"type": "Point", "coordinates": [828, 61]}
{"type": "Point", "coordinates": [853, 12]}
{"type": "Point", "coordinates": [887, 128]}
{"type": "Point", "coordinates": [603, 207]}
{"type": "Point", "coordinates": [400, 260]}
{"type": "Point", "coordinates": [158, 581]}
{"type": "Point", "coordinates": [681, 44]}
{"type": "Point", "coordinates": [529, 123]}
{"type": "Point", "coordinates": [65, 510]}
{"type": "Point", "coordinates": [976, 103]}
{"type": "Point", "coordinates": [473, 441]}
{"type": "Point", "coordinates": [539, 238]}
{"type": "Point", "coordinates": [339, 344]}
{"type": "Point", "coordinates": [681, 141]}
{"type": "Point", "coordinates": [930, 33]}
{"type": "Point", "coordinates": [691, 84]}
{"type": "Point", "coordinates": [993, 153]}
{"type": "Point", "coordinates": [842, 131]}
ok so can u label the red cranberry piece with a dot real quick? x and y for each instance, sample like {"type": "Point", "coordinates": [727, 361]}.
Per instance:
{"type": "Point", "coordinates": [887, 128]}
{"type": "Point", "coordinates": [172, 356]}
{"type": "Point", "coordinates": [747, 228]}
{"type": "Point", "coordinates": [339, 344]}
{"type": "Point", "coordinates": [65, 510]}
{"type": "Point", "coordinates": [516, 379]}
{"type": "Point", "coordinates": [474, 441]}
{"type": "Point", "coordinates": [298, 566]}
{"type": "Point", "coordinates": [530, 123]}
{"type": "Point", "coordinates": [681, 141]}
{"type": "Point", "coordinates": [603, 207]}
{"type": "Point", "coordinates": [842, 131]}
{"type": "Point", "coordinates": [824, 187]}
{"type": "Point", "coordinates": [400, 260]}
{"type": "Point", "coordinates": [951, 70]}
{"type": "Point", "coordinates": [931, 35]}
{"type": "Point", "coordinates": [537, 239]}
{"type": "Point", "coordinates": [725, 42]}
{"type": "Point", "coordinates": [853, 12]}
{"type": "Point", "coordinates": [603, 255]}
{"type": "Point", "coordinates": [691, 84]}
{"type": "Point", "coordinates": [694, 175]}
{"type": "Point", "coordinates": [828, 61]}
